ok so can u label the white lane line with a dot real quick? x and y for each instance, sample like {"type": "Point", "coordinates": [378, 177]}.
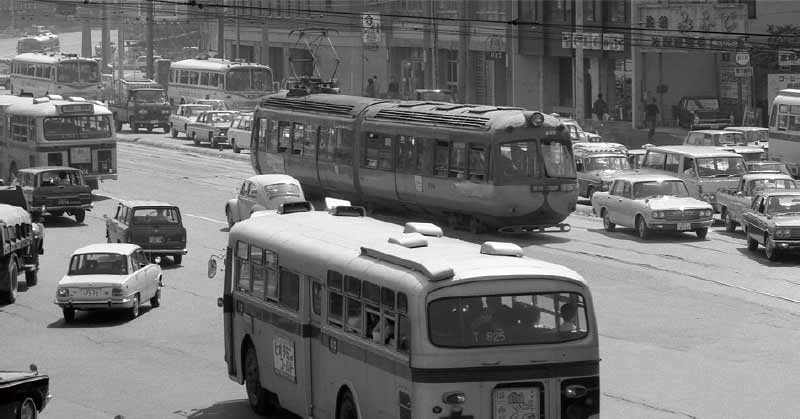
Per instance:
{"type": "Point", "coordinates": [185, 215]}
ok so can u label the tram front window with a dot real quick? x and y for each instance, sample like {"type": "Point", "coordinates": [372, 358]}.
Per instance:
{"type": "Point", "coordinates": [558, 159]}
{"type": "Point", "coordinates": [517, 161]}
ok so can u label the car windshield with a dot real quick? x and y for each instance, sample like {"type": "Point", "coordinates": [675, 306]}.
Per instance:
{"type": "Point", "coordinates": [702, 104]}
{"type": "Point", "coordinates": [98, 264]}
{"type": "Point", "coordinates": [76, 127]}
{"type": "Point", "coordinates": [767, 167]}
{"type": "Point", "coordinates": [150, 96]}
{"type": "Point", "coordinates": [282, 189]}
{"type": "Point", "coordinates": [784, 205]}
{"type": "Point", "coordinates": [648, 189]}
{"type": "Point", "coordinates": [156, 216]}
{"type": "Point", "coordinates": [728, 138]}
{"type": "Point", "coordinates": [60, 178]}
{"type": "Point", "coordinates": [771, 184]}
{"type": "Point", "coordinates": [504, 320]}
{"type": "Point", "coordinates": [720, 166]}
{"type": "Point", "coordinates": [217, 118]}
{"type": "Point", "coordinates": [195, 110]}
{"type": "Point", "coordinates": [608, 163]}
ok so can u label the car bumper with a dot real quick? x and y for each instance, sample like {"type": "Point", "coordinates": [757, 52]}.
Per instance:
{"type": "Point", "coordinates": [787, 244]}
{"type": "Point", "coordinates": [87, 207]}
{"type": "Point", "coordinates": [661, 225]}
{"type": "Point", "coordinates": [166, 251]}
{"type": "Point", "coordinates": [78, 304]}
{"type": "Point", "coordinates": [712, 125]}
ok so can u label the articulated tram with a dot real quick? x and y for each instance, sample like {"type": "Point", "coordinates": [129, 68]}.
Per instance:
{"type": "Point", "coordinates": [483, 167]}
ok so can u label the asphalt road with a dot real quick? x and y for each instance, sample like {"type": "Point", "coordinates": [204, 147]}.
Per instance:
{"type": "Point", "coordinates": [689, 328]}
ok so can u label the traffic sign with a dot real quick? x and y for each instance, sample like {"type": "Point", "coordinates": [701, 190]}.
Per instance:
{"type": "Point", "coordinates": [742, 58]}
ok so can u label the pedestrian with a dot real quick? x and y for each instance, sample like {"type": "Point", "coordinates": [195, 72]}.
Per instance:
{"type": "Point", "coordinates": [394, 88]}
{"type": "Point", "coordinates": [650, 113]}
{"type": "Point", "coordinates": [369, 91]}
{"type": "Point", "coordinates": [600, 108]}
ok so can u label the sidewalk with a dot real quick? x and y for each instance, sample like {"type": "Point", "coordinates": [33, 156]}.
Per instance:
{"type": "Point", "coordinates": [187, 146]}
{"type": "Point", "coordinates": [622, 132]}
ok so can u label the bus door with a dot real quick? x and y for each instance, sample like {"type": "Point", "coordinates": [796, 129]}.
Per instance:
{"type": "Point", "coordinates": [226, 302]}
{"type": "Point", "coordinates": [376, 173]}
{"type": "Point", "coordinates": [313, 345]}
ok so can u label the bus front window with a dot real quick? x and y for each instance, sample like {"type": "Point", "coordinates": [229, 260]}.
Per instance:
{"type": "Point", "coordinates": [262, 79]}
{"type": "Point", "coordinates": [504, 320]}
{"type": "Point", "coordinates": [89, 72]}
{"type": "Point", "coordinates": [68, 72]}
{"type": "Point", "coordinates": [238, 80]}
{"type": "Point", "coordinates": [75, 127]}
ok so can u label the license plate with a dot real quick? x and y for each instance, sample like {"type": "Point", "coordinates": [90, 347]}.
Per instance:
{"type": "Point", "coordinates": [684, 226]}
{"type": "Point", "coordinates": [512, 403]}
{"type": "Point", "coordinates": [156, 239]}
{"type": "Point", "coordinates": [154, 122]}
{"type": "Point", "coordinates": [64, 202]}
{"type": "Point", "coordinates": [91, 293]}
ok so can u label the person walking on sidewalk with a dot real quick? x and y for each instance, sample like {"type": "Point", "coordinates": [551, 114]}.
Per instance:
{"type": "Point", "coordinates": [600, 108]}
{"type": "Point", "coordinates": [650, 114]}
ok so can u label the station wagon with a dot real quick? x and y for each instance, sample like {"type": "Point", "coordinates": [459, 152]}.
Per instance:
{"type": "Point", "coordinates": [155, 226]}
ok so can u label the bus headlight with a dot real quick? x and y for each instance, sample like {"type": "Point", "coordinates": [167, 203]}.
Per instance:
{"type": "Point", "coordinates": [783, 232]}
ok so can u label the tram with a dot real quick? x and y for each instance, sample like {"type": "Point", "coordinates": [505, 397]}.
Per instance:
{"type": "Point", "coordinates": [481, 167]}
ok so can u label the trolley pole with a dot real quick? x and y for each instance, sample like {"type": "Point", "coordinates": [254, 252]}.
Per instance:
{"type": "Point", "coordinates": [149, 37]}
{"type": "Point", "coordinates": [105, 39]}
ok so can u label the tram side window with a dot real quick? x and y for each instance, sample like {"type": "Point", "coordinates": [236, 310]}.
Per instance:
{"type": "Point", "coordinates": [377, 152]}
{"type": "Point", "coordinates": [458, 160]}
{"type": "Point", "coordinates": [344, 146]}
{"type": "Point", "coordinates": [411, 153]}
{"type": "Point", "coordinates": [214, 80]}
{"type": "Point", "coordinates": [273, 136]}
{"type": "Point", "coordinates": [204, 79]}
{"type": "Point", "coordinates": [327, 143]}
{"type": "Point", "coordinates": [194, 77]}
{"type": "Point", "coordinates": [794, 118]}
{"type": "Point", "coordinates": [284, 136]}
{"type": "Point", "coordinates": [441, 158]}
{"type": "Point", "coordinates": [477, 163]}
{"type": "Point", "coordinates": [298, 138]}
{"type": "Point", "coordinates": [310, 142]}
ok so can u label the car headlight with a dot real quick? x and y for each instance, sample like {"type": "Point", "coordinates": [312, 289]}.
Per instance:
{"type": "Point", "coordinates": [696, 119]}
{"type": "Point", "coordinates": [165, 112]}
{"type": "Point", "coordinates": [707, 213]}
{"type": "Point", "coordinates": [782, 232]}
{"type": "Point", "coordinates": [116, 291]}
{"type": "Point", "coordinates": [63, 292]}
{"type": "Point", "coordinates": [142, 111]}
{"type": "Point", "coordinates": [657, 214]}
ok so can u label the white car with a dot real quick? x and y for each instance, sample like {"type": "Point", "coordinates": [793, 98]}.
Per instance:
{"type": "Point", "coordinates": [109, 276]}
{"type": "Point", "coordinates": [184, 115]}
{"type": "Point", "coordinates": [239, 132]}
{"type": "Point", "coordinates": [262, 192]}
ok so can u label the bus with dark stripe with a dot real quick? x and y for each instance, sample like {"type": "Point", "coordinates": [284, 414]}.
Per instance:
{"type": "Point", "coordinates": [474, 166]}
{"type": "Point", "coordinates": [331, 314]}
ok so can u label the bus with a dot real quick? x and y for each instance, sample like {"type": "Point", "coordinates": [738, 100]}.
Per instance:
{"type": "Point", "coordinates": [66, 75]}
{"type": "Point", "coordinates": [784, 130]}
{"type": "Point", "coordinates": [53, 131]}
{"type": "Point", "coordinates": [240, 84]}
{"type": "Point", "coordinates": [40, 42]}
{"type": "Point", "coordinates": [479, 167]}
{"type": "Point", "coordinates": [330, 314]}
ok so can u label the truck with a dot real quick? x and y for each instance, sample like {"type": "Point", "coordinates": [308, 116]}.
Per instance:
{"type": "Point", "coordinates": [140, 103]}
{"type": "Point", "coordinates": [733, 203]}
{"type": "Point", "coordinates": [21, 243]}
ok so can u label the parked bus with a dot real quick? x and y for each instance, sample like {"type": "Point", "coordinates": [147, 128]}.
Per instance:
{"type": "Point", "coordinates": [784, 130]}
{"type": "Point", "coordinates": [51, 131]}
{"type": "Point", "coordinates": [40, 42]}
{"type": "Point", "coordinates": [240, 84]}
{"type": "Point", "coordinates": [480, 167]}
{"type": "Point", "coordinates": [66, 75]}
{"type": "Point", "coordinates": [330, 314]}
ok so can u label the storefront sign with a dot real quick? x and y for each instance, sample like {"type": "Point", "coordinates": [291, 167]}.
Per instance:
{"type": "Point", "coordinates": [593, 41]}
{"type": "Point", "coordinates": [743, 71]}
{"type": "Point", "coordinates": [496, 48]}
{"type": "Point", "coordinates": [742, 58]}
{"type": "Point", "coordinates": [788, 58]}
{"type": "Point", "coordinates": [693, 27]}
{"type": "Point", "coordinates": [371, 28]}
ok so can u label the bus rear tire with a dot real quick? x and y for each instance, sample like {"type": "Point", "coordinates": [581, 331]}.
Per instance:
{"type": "Point", "coordinates": [347, 407]}
{"type": "Point", "coordinates": [261, 401]}
{"type": "Point", "coordinates": [8, 276]}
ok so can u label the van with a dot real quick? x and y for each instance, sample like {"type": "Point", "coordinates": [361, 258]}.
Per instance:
{"type": "Point", "coordinates": [704, 169]}
{"type": "Point", "coordinates": [155, 226]}
{"type": "Point", "coordinates": [239, 132]}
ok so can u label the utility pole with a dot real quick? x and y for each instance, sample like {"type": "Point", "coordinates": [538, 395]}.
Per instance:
{"type": "Point", "coordinates": [221, 34]}
{"type": "Point", "coordinates": [86, 32]}
{"type": "Point", "coordinates": [434, 46]}
{"type": "Point", "coordinates": [463, 52]}
{"type": "Point", "coordinates": [238, 31]}
{"type": "Point", "coordinates": [105, 38]}
{"type": "Point", "coordinates": [580, 105]}
{"type": "Point", "coordinates": [149, 37]}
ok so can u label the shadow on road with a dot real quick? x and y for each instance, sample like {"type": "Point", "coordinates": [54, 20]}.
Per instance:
{"type": "Point", "coordinates": [62, 221]}
{"type": "Point", "coordinates": [239, 409]}
{"type": "Point", "coordinates": [98, 319]}
{"type": "Point", "coordinates": [784, 259]}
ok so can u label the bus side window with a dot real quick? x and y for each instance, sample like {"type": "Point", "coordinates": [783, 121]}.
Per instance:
{"type": "Point", "coordinates": [289, 289]}
{"type": "Point", "coordinates": [335, 299]}
{"type": "Point", "coordinates": [354, 316]}
{"type": "Point", "coordinates": [403, 334]}
{"type": "Point", "coordinates": [316, 297]}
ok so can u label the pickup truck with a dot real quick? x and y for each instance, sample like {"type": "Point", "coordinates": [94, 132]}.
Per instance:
{"type": "Point", "coordinates": [698, 112]}
{"type": "Point", "coordinates": [733, 203]}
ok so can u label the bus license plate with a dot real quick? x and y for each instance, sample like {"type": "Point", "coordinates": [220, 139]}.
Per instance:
{"type": "Point", "coordinates": [684, 226]}
{"type": "Point", "coordinates": [156, 239]}
{"type": "Point", "coordinates": [511, 403]}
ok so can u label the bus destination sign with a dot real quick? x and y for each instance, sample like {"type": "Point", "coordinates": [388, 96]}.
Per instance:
{"type": "Point", "coordinates": [75, 108]}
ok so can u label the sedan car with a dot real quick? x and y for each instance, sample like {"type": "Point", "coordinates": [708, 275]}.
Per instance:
{"type": "Point", "coordinates": [651, 202]}
{"type": "Point", "coordinates": [773, 221]}
{"type": "Point", "coordinates": [211, 126]}
{"type": "Point", "coordinates": [184, 115]}
{"type": "Point", "coordinates": [109, 276]}
{"type": "Point", "coordinates": [240, 131]}
{"type": "Point", "coordinates": [262, 192]}
{"type": "Point", "coordinates": [23, 394]}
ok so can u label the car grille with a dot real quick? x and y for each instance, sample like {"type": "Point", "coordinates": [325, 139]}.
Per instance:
{"type": "Point", "coordinates": [794, 234]}
{"type": "Point", "coordinates": [678, 215]}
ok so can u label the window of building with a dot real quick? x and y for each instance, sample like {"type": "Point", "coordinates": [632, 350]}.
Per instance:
{"type": "Point", "coordinates": [590, 11]}
{"type": "Point", "coordinates": [617, 10]}
{"type": "Point", "coordinates": [451, 78]}
{"type": "Point", "coordinates": [559, 10]}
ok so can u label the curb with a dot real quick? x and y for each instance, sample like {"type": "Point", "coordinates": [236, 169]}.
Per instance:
{"type": "Point", "coordinates": [230, 155]}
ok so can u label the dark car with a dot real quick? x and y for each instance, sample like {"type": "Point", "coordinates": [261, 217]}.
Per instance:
{"type": "Point", "coordinates": [702, 112]}
{"type": "Point", "coordinates": [773, 221]}
{"type": "Point", "coordinates": [155, 226]}
{"type": "Point", "coordinates": [23, 394]}
{"type": "Point", "coordinates": [55, 190]}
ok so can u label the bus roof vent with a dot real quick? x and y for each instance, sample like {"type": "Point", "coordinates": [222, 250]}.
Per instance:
{"type": "Point", "coordinates": [348, 211]}
{"type": "Point", "coordinates": [55, 97]}
{"type": "Point", "coordinates": [501, 249]}
{"type": "Point", "coordinates": [434, 270]}
{"type": "Point", "coordinates": [426, 229]}
{"type": "Point", "coordinates": [299, 206]}
{"type": "Point", "coordinates": [410, 240]}
{"type": "Point", "coordinates": [38, 100]}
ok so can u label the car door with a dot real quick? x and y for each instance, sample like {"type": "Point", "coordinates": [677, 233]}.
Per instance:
{"type": "Point", "coordinates": [614, 200]}
{"type": "Point", "coordinates": [627, 206]}
{"type": "Point", "coordinates": [246, 199]}
{"type": "Point", "coordinates": [112, 225]}
{"type": "Point", "coordinates": [149, 274]}
{"type": "Point", "coordinates": [757, 220]}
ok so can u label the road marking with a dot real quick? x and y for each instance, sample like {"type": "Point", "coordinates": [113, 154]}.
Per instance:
{"type": "Point", "coordinates": [185, 215]}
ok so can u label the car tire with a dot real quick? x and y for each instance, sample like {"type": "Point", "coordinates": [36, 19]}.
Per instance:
{"type": "Point", "coordinates": [9, 276]}
{"type": "Point", "coordinates": [730, 226]}
{"type": "Point", "coordinates": [69, 314]}
{"type": "Point", "coordinates": [229, 216]}
{"type": "Point", "coordinates": [701, 233]}
{"type": "Point", "coordinates": [80, 215]}
{"type": "Point", "coordinates": [642, 229]}
{"type": "Point", "coordinates": [156, 300]}
{"type": "Point", "coordinates": [133, 312]}
{"type": "Point", "coordinates": [770, 249]}
{"type": "Point", "coordinates": [235, 148]}
{"type": "Point", "coordinates": [589, 193]}
{"type": "Point", "coordinates": [26, 409]}
{"type": "Point", "coordinates": [607, 224]}
{"type": "Point", "coordinates": [31, 277]}
{"type": "Point", "coordinates": [261, 400]}
{"type": "Point", "coordinates": [177, 259]}
{"type": "Point", "coordinates": [173, 132]}
{"type": "Point", "coordinates": [347, 407]}
{"type": "Point", "coordinates": [194, 139]}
